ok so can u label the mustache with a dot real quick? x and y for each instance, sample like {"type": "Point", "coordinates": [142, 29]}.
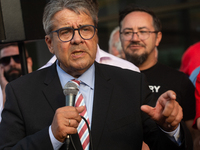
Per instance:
{"type": "Point", "coordinates": [13, 69]}
{"type": "Point", "coordinates": [79, 48]}
{"type": "Point", "coordinates": [136, 44]}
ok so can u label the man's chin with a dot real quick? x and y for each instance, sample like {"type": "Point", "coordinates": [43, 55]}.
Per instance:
{"type": "Point", "coordinates": [12, 76]}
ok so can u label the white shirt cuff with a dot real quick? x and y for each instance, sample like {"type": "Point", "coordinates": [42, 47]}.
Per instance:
{"type": "Point", "coordinates": [56, 144]}
{"type": "Point", "coordinates": [176, 133]}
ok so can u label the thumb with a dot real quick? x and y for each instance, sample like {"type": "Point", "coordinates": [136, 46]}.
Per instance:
{"type": "Point", "coordinates": [80, 109]}
{"type": "Point", "coordinates": [148, 110]}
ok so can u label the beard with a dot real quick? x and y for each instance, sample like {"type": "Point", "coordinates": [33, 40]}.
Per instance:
{"type": "Point", "coordinates": [137, 59]}
{"type": "Point", "coordinates": [10, 77]}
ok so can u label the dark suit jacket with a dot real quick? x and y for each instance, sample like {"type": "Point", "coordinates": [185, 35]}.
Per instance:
{"type": "Point", "coordinates": [117, 121]}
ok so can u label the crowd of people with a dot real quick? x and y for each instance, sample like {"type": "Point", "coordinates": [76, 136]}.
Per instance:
{"type": "Point", "coordinates": [129, 99]}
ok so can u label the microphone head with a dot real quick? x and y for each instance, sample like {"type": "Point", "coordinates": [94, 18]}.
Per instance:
{"type": "Point", "coordinates": [70, 88]}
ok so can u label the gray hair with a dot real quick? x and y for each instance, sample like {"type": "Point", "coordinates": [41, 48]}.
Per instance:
{"type": "Point", "coordinates": [89, 7]}
{"type": "Point", "coordinates": [116, 44]}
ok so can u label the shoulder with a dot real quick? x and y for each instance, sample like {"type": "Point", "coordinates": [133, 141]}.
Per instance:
{"type": "Point", "coordinates": [112, 60]}
{"type": "Point", "coordinates": [31, 79]}
{"type": "Point", "coordinates": [165, 74]}
{"type": "Point", "coordinates": [116, 72]}
{"type": "Point", "coordinates": [170, 70]}
{"type": "Point", "coordinates": [176, 77]}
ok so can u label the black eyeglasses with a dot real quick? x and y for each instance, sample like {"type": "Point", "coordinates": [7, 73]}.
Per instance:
{"type": "Point", "coordinates": [143, 35]}
{"type": "Point", "coordinates": [66, 34]}
{"type": "Point", "coordinates": [6, 60]}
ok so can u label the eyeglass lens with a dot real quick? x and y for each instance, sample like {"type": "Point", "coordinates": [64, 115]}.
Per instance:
{"type": "Point", "coordinates": [128, 35]}
{"type": "Point", "coordinates": [6, 60]}
{"type": "Point", "coordinates": [86, 32]}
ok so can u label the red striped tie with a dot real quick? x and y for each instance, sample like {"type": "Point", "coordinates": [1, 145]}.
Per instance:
{"type": "Point", "coordinates": [82, 127]}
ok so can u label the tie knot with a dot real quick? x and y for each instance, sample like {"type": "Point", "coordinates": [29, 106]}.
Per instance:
{"type": "Point", "coordinates": [76, 82]}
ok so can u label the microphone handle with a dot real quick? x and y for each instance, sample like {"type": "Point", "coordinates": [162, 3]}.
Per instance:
{"type": "Point", "coordinates": [69, 101]}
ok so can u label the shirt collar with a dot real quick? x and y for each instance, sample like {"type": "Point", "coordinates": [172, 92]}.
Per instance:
{"type": "Point", "coordinates": [101, 55]}
{"type": "Point", "coordinates": [86, 78]}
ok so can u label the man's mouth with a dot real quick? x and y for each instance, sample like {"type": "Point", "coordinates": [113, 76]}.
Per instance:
{"type": "Point", "coordinates": [77, 53]}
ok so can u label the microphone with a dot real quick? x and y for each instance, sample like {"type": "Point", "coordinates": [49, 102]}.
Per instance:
{"type": "Point", "coordinates": [70, 91]}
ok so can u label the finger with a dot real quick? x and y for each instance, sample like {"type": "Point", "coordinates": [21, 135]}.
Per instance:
{"type": "Point", "coordinates": [80, 109]}
{"type": "Point", "coordinates": [63, 115]}
{"type": "Point", "coordinates": [168, 108]}
{"type": "Point", "coordinates": [171, 95]}
{"type": "Point", "coordinates": [173, 114]}
{"type": "Point", "coordinates": [71, 112]}
{"type": "Point", "coordinates": [148, 110]}
{"type": "Point", "coordinates": [71, 123]}
{"type": "Point", "coordinates": [62, 133]}
{"type": "Point", "coordinates": [179, 117]}
{"type": "Point", "coordinates": [60, 124]}
{"type": "Point", "coordinates": [166, 100]}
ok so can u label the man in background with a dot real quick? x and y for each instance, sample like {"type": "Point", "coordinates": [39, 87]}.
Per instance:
{"type": "Point", "coordinates": [140, 34]}
{"type": "Point", "coordinates": [115, 47]}
{"type": "Point", "coordinates": [10, 67]}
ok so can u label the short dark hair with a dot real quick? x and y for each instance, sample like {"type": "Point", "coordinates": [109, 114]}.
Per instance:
{"type": "Point", "coordinates": [132, 7]}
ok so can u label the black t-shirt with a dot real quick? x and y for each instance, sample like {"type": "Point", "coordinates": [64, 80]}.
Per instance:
{"type": "Point", "coordinates": [162, 78]}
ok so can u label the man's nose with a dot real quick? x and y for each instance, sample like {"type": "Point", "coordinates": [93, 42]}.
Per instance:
{"type": "Point", "coordinates": [76, 38]}
{"type": "Point", "coordinates": [135, 36]}
{"type": "Point", "coordinates": [12, 61]}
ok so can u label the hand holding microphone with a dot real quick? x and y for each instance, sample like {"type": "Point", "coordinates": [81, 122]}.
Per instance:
{"type": "Point", "coordinates": [66, 119]}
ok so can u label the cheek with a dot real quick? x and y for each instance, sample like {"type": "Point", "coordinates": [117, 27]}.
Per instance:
{"type": "Point", "coordinates": [6, 68]}
{"type": "Point", "coordinates": [62, 50]}
{"type": "Point", "coordinates": [125, 43]}
{"type": "Point", "coordinates": [93, 48]}
{"type": "Point", "coordinates": [18, 66]}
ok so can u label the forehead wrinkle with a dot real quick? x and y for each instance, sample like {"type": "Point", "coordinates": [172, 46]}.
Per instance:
{"type": "Point", "coordinates": [65, 21]}
{"type": "Point", "coordinates": [140, 28]}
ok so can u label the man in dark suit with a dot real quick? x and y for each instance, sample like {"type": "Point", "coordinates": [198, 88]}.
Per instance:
{"type": "Point", "coordinates": [35, 115]}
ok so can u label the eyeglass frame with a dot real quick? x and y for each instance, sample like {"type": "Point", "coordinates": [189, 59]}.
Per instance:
{"type": "Point", "coordinates": [138, 35]}
{"type": "Point", "coordinates": [57, 31]}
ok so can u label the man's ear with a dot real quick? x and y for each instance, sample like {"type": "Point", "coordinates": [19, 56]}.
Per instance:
{"type": "Point", "coordinates": [48, 41]}
{"type": "Point", "coordinates": [158, 38]}
{"type": "Point", "coordinates": [29, 64]}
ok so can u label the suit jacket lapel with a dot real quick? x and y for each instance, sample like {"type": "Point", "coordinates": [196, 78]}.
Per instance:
{"type": "Point", "coordinates": [53, 91]}
{"type": "Point", "coordinates": [102, 97]}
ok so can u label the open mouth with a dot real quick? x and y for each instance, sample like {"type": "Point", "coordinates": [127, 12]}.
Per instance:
{"type": "Point", "coordinates": [77, 53]}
